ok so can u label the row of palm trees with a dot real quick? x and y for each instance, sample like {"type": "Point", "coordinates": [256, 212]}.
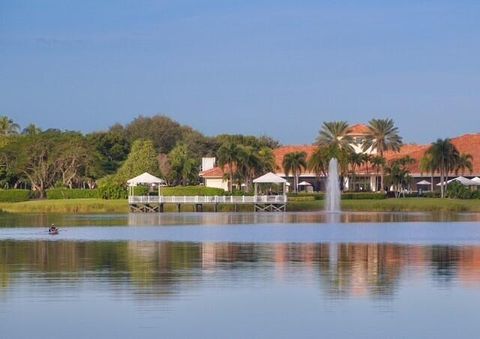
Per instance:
{"type": "Point", "coordinates": [335, 140]}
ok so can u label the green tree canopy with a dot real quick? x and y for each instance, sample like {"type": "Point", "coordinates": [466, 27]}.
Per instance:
{"type": "Point", "coordinates": [142, 158]}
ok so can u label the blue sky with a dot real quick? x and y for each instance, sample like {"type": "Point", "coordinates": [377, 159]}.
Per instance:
{"type": "Point", "coordinates": [272, 67]}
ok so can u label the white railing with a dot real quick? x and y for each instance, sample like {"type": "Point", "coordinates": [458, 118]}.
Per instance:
{"type": "Point", "coordinates": [266, 199]}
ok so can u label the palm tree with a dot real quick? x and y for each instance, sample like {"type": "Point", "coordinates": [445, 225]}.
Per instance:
{"type": "Point", "coordinates": [335, 135]}
{"type": "Point", "coordinates": [464, 162]}
{"type": "Point", "coordinates": [266, 161]}
{"type": "Point", "coordinates": [382, 136]}
{"type": "Point", "coordinates": [355, 159]}
{"type": "Point", "coordinates": [248, 162]}
{"type": "Point", "coordinates": [444, 158]}
{"type": "Point", "coordinates": [377, 162]}
{"type": "Point", "coordinates": [8, 127]}
{"type": "Point", "coordinates": [427, 165]}
{"type": "Point", "coordinates": [229, 155]}
{"type": "Point", "coordinates": [399, 173]}
{"type": "Point", "coordinates": [294, 162]}
{"type": "Point", "coordinates": [367, 159]}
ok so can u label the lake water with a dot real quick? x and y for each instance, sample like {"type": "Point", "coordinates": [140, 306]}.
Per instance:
{"type": "Point", "coordinates": [240, 275]}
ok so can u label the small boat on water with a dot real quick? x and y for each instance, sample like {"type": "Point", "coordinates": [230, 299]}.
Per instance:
{"type": "Point", "coordinates": [53, 230]}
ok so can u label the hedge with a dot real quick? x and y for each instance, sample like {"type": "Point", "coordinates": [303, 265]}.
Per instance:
{"type": "Point", "coordinates": [15, 195]}
{"type": "Point", "coordinates": [191, 191]}
{"type": "Point", "coordinates": [363, 196]}
{"type": "Point", "coordinates": [74, 193]}
{"type": "Point", "coordinates": [345, 196]}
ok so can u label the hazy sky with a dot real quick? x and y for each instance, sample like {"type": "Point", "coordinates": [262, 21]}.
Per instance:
{"type": "Point", "coordinates": [272, 67]}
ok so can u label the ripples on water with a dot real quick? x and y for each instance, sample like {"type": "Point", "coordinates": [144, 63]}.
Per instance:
{"type": "Point", "coordinates": [103, 288]}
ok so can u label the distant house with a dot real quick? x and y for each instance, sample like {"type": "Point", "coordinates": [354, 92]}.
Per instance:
{"type": "Point", "coordinates": [212, 175]}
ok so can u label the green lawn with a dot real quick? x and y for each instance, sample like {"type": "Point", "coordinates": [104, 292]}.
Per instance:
{"type": "Point", "coordinates": [394, 205]}
{"type": "Point", "coordinates": [121, 206]}
{"type": "Point", "coordinates": [66, 206]}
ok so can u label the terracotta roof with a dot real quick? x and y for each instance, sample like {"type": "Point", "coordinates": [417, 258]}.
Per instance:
{"type": "Point", "coordinates": [359, 129]}
{"type": "Point", "coordinates": [468, 143]}
{"type": "Point", "coordinates": [216, 172]}
{"type": "Point", "coordinates": [280, 152]}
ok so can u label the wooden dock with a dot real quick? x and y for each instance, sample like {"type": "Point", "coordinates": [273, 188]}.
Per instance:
{"type": "Point", "coordinates": [260, 203]}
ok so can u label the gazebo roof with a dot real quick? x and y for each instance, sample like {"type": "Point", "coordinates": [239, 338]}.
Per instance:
{"type": "Point", "coordinates": [304, 183]}
{"type": "Point", "coordinates": [270, 178]}
{"type": "Point", "coordinates": [145, 178]}
{"type": "Point", "coordinates": [424, 182]}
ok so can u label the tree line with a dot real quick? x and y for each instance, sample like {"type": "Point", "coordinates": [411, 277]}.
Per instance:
{"type": "Point", "coordinates": [39, 159]}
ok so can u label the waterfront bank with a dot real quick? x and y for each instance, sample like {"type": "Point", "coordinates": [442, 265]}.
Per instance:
{"type": "Point", "coordinates": [367, 205]}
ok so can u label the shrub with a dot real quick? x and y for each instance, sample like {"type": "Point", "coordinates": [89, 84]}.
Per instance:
{"type": "Point", "coordinates": [457, 191]}
{"type": "Point", "coordinates": [109, 188]}
{"type": "Point", "coordinates": [14, 195]}
{"type": "Point", "coordinates": [306, 196]}
{"type": "Point", "coordinates": [191, 191]}
{"type": "Point", "coordinates": [66, 193]}
{"type": "Point", "coordinates": [363, 196]}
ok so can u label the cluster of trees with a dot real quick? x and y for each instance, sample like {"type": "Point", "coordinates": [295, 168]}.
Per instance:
{"type": "Point", "coordinates": [41, 159]}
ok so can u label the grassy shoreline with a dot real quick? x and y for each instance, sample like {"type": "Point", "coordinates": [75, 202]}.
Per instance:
{"type": "Point", "coordinates": [121, 206]}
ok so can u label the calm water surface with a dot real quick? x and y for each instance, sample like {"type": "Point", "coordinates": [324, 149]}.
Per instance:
{"type": "Point", "coordinates": [288, 275]}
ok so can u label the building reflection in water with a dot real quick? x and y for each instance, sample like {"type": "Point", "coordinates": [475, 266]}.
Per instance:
{"type": "Point", "coordinates": [163, 269]}
{"type": "Point", "coordinates": [157, 219]}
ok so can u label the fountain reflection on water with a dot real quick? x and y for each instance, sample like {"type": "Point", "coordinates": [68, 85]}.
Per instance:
{"type": "Point", "coordinates": [333, 188]}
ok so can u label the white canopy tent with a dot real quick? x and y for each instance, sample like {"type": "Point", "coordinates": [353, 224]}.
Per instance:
{"type": "Point", "coordinates": [424, 182]}
{"type": "Point", "coordinates": [144, 179]}
{"type": "Point", "coordinates": [464, 181]}
{"type": "Point", "coordinates": [304, 183]}
{"type": "Point", "coordinates": [270, 178]}
{"type": "Point", "coordinates": [476, 179]}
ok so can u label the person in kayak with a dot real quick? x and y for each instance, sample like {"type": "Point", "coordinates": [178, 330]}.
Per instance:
{"type": "Point", "coordinates": [53, 229]}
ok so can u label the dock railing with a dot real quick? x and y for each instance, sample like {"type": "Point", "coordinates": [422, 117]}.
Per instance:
{"type": "Point", "coordinates": [257, 199]}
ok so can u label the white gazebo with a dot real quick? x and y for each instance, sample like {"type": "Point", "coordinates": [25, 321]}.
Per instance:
{"type": "Point", "coordinates": [145, 179]}
{"type": "Point", "coordinates": [274, 202]}
{"type": "Point", "coordinates": [144, 203]}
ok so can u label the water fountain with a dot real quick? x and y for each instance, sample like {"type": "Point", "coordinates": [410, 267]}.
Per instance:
{"type": "Point", "coordinates": [333, 188]}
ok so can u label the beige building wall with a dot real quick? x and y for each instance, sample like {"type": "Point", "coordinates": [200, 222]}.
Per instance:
{"type": "Point", "coordinates": [216, 183]}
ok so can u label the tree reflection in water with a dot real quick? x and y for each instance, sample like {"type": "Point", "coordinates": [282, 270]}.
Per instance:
{"type": "Point", "coordinates": [162, 269]}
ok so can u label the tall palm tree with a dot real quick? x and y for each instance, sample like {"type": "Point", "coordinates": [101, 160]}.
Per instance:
{"type": "Point", "coordinates": [266, 161]}
{"type": "Point", "coordinates": [367, 160]}
{"type": "Point", "coordinates": [382, 136]}
{"type": "Point", "coordinates": [8, 127]}
{"type": "Point", "coordinates": [444, 158]}
{"type": "Point", "coordinates": [229, 155]}
{"type": "Point", "coordinates": [318, 162]}
{"type": "Point", "coordinates": [335, 135]}
{"type": "Point", "coordinates": [248, 163]}
{"type": "Point", "coordinates": [464, 162]}
{"type": "Point", "coordinates": [294, 162]}
{"type": "Point", "coordinates": [377, 162]}
{"type": "Point", "coordinates": [355, 160]}
{"type": "Point", "coordinates": [427, 165]}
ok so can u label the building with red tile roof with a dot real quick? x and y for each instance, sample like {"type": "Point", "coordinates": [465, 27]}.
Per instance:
{"type": "Point", "coordinates": [468, 143]}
